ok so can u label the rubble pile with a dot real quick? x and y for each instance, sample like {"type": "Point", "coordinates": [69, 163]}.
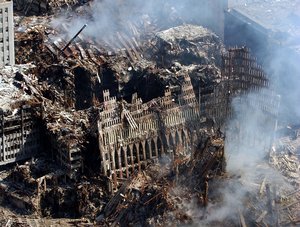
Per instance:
{"type": "Point", "coordinates": [125, 57]}
{"type": "Point", "coordinates": [285, 157]}
{"type": "Point", "coordinates": [269, 195]}
{"type": "Point", "coordinates": [285, 199]}
{"type": "Point", "coordinates": [74, 79]}
{"type": "Point", "coordinates": [124, 138]}
{"type": "Point", "coordinates": [22, 185]}
{"type": "Point", "coordinates": [161, 193]}
{"type": "Point", "coordinates": [38, 187]}
{"type": "Point", "coordinates": [30, 46]}
{"type": "Point", "coordinates": [38, 7]}
{"type": "Point", "coordinates": [188, 44]}
{"type": "Point", "coordinates": [14, 88]}
{"type": "Point", "coordinates": [261, 198]}
{"type": "Point", "coordinates": [207, 162]}
{"type": "Point", "coordinates": [155, 196]}
{"type": "Point", "coordinates": [65, 127]}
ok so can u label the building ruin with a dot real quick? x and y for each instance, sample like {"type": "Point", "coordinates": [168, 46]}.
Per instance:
{"type": "Point", "coordinates": [20, 136]}
{"type": "Point", "coordinates": [109, 127]}
{"type": "Point", "coordinates": [132, 135]}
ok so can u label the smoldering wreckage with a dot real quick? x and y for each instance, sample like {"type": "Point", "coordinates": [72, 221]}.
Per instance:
{"type": "Point", "coordinates": [130, 130]}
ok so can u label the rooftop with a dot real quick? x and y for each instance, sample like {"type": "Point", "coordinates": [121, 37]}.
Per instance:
{"type": "Point", "coordinates": [281, 18]}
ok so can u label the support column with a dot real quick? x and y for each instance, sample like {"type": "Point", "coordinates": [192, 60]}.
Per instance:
{"type": "Point", "coordinates": [191, 136]}
{"type": "Point", "coordinates": [186, 136]}
{"type": "Point", "coordinates": [104, 162]}
{"type": "Point", "coordinates": [174, 148]}
{"type": "Point", "coordinates": [173, 134]}
{"type": "Point", "coordinates": [126, 161]}
{"type": "Point", "coordinates": [144, 150]}
{"type": "Point", "coordinates": [112, 155]}
{"type": "Point", "coordinates": [137, 145]}
{"type": "Point", "coordinates": [180, 143]}
{"type": "Point", "coordinates": [180, 137]}
{"type": "Point", "coordinates": [22, 131]}
{"type": "Point", "coordinates": [150, 148]}
{"type": "Point", "coordinates": [156, 149]}
{"type": "Point", "coordinates": [167, 140]}
{"type": "Point", "coordinates": [131, 155]}
{"type": "Point", "coordinates": [3, 138]}
{"type": "Point", "coordinates": [162, 147]}
{"type": "Point", "coordinates": [120, 163]}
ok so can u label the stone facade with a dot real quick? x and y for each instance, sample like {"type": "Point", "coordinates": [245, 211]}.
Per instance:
{"type": "Point", "coordinates": [130, 135]}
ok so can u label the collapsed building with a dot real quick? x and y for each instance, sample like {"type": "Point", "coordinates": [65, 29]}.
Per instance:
{"type": "Point", "coordinates": [110, 113]}
{"type": "Point", "coordinates": [132, 135]}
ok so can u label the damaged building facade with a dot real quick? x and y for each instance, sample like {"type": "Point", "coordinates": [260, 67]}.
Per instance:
{"type": "Point", "coordinates": [20, 136]}
{"type": "Point", "coordinates": [7, 51]}
{"type": "Point", "coordinates": [130, 135]}
{"type": "Point", "coordinates": [110, 127]}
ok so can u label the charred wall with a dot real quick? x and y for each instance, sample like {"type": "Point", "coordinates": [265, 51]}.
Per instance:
{"type": "Point", "coordinates": [21, 136]}
{"type": "Point", "coordinates": [86, 88]}
{"type": "Point", "coordinates": [276, 51]}
{"type": "Point", "coordinates": [131, 135]}
{"type": "Point", "coordinates": [146, 84]}
{"type": "Point", "coordinates": [240, 75]}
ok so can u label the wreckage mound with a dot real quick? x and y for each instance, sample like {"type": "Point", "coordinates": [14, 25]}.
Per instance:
{"type": "Point", "coordinates": [187, 44]}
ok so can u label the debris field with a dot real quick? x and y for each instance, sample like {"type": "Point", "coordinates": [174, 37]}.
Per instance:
{"type": "Point", "coordinates": [132, 129]}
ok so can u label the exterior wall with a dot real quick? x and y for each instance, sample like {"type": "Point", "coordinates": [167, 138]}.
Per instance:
{"type": "Point", "coordinates": [244, 91]}
{"type": "Point", "coordinates": [240, 75]}
{"type": "Point", "coordinates": [19, 137]}
{"type": "Point", "coordinates": [68, 155]}
{"type": "Point", "coordinates": [279, 54]}
{"type": "Point", "coordinates": [240, 30]}
{"type": "Point", "coordinates": [7, 49]}
{"type": "Point", "coordinates": [131, 135]}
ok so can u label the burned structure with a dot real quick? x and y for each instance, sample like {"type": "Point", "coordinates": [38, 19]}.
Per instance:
{"type": "Point", "coordinates": [132, 127]}
{"type": "Point", "coordinates": [20, 136]}
{"type": "Point", "coordinates": [130, 135]}
{"type": "Point", "coordinates": [20, 128]}
{"type": "Point", "coordinates": [271, 30]}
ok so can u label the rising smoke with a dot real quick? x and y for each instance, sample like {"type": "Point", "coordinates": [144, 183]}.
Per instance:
{"type": "Point", "coordinates": [105, 18]}
{"type": "Point", "coordinates": [284, 68]}
{"type": "Point", "coordinates": [248, 153]}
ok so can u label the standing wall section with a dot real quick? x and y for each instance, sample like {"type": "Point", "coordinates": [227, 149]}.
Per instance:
{"type": "Point", "coordinates": [20, 136]}
{"type": "Point", "coordinates": [7, 48]}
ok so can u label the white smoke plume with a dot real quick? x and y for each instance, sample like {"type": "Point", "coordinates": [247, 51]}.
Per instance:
{"type": "Point", "coordinates": [105, 18]}
{"type": "Point", "coordinates": [248, 153]}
